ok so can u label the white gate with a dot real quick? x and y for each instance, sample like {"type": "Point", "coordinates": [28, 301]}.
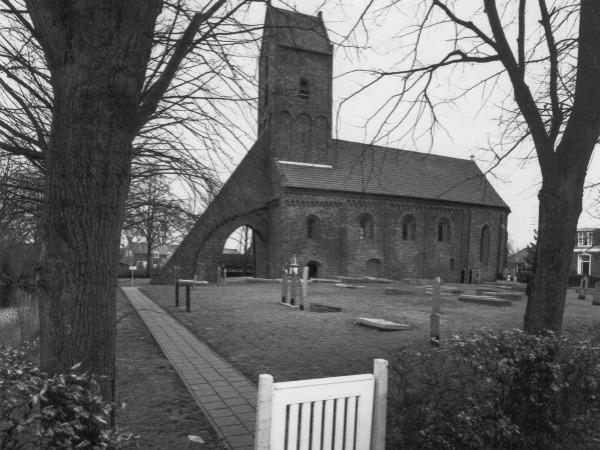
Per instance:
{"type": "Point", "coordinates": [340, 413]}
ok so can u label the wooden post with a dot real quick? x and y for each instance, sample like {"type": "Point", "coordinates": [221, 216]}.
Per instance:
{"type": "Point", "coordinates": [284, 285]}
{"type": "Point", "coordinates": [434, 320]}
{"type": "Point", "coordinates": [596, 299]}
{"type": "Point", "coordinates": [187, 298]}
{"type": "Point", "coordinates": [177, 293]}
{"type": "Point", "coordinates": [304, 286]}
{"type": "Point", "coordinates": [380, 371]}
{"type": "Point", "coordinates": [437, 298]}
{"type": "Point", "coordinates": [264, 398]}
{"type": "Point", "coordinates": [294, 282]}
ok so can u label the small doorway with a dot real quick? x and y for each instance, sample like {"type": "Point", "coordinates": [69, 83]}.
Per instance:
{"type": "Point", "coordinates": [585, 264]}
{"type": "Point", "coordinates": [313, 269]}
{"type": "Point", "coordinates": [374, 268]}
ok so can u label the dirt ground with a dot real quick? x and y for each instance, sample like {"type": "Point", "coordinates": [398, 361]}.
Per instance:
{"type": "Point", "coordinates": [244, 323]}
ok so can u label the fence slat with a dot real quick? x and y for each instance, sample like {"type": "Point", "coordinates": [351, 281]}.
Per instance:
{"type": "Point", "coordinates": [292, 428]}
{"type": "Point", "coordinates": [340, 412]}
{"type": "Point", "coordinates": [350, 423]}
{"type": "Point", "coordinates": [305, 427]}
{"type": "Point", "coordinates": [328, 425]}
{"type": "Point", "coordinates": [317, 426]}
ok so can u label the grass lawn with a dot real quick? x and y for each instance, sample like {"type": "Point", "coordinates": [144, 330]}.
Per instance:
{"type": "Point", "coordinates": [244, 323]}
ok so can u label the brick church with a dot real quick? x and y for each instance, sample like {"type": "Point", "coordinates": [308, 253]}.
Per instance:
{"type": "Point", "coordinates": [344, 208]}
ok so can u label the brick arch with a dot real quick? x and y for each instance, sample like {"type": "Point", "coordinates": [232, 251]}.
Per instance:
{"type": "Point", "coordinates": [208, 257]}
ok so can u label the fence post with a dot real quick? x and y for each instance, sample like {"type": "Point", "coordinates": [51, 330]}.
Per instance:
{"type": "Point", "coordinates": [187, 298]}
{"type": "Point", "coordinates": [177, 293]}
{"type": "Point", "coordinates": [264, 399]}
{"type": "Point", "coordinates": [380, 371]}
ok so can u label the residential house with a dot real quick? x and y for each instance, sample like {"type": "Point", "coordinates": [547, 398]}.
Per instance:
{"type": "Point", "coordinates": [135, 254]}
{"type": "Point", "coordinates": [586, 255]}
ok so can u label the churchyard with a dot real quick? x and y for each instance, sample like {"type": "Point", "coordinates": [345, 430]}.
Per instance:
{"type": "Point", "coordinates": [245, 324]}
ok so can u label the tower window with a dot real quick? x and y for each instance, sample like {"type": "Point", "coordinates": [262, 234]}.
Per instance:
{"type": "Point", "coordinates": [303, 91]}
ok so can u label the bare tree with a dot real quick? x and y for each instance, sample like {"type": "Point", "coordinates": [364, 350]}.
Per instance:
{"type": "Point", "coordinates": [155, 216]}
{"type": "Point", "coordinates": [546, 53]}
{"type": "Point", "coordinates": [94, 84]}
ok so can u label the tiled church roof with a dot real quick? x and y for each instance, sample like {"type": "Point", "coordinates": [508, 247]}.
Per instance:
{"type": "Point", "coordinates": [298, 30]}
{"type": "Point", "coordinates": [371, 169]}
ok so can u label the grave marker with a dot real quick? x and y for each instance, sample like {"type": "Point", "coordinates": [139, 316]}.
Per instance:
{"type": "Point", "coordinates": [434, 322]}
{"type": "Point", "coordinates": [284, 285]}
{"type": "Point", "coordinates": [304, 287]}
{"type": "Point", "coordinates": [583, 288]}
{"type": "Point", "coordinates": [437, 298]}
{"type": "Point", "coordinates": [596, 299]}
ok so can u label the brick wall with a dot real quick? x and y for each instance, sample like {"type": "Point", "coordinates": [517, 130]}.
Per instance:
{"type": "Point", "coordinates": [341, 251]}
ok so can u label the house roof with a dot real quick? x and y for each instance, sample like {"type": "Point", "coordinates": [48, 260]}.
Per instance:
{"type": "Point", "coordinates": [368, 169]}
{"type": "Point", "coordinates": [140, 248]}
{"type": "Point", "coordinates": [294, 29]}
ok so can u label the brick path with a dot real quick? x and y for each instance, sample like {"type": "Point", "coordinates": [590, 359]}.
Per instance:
{"type": "Point", "coordinates": [225, 396]}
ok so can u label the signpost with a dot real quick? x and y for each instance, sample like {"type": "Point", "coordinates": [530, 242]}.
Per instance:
{"type": "Point", "coordinates": [132, 268]}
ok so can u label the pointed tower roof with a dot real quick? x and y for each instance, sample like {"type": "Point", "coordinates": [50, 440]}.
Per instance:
{"type": "Point", "coordinates": [297, 30]}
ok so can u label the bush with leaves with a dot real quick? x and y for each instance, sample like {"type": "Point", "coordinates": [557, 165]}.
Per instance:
{"type": "Point", "coordinates": [63, 411]}
{"type": "Point", "coordinates": [497, 391]}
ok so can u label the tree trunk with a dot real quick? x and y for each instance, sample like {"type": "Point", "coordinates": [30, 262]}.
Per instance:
{"type": "Point", "coordinates": [149, 259]}
{"type": "Point", "coordinates": [559, 210]}
{"type": "Point", "coordinates": [97, 53]}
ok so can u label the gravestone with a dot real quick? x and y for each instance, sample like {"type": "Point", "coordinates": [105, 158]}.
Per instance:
{"type": "Point", "coordinates": [437, 297]}
{"type": "Point", "coordinates": [596, 299]}
{"type": "Point", "coordinates": [484, 300]}
{"type": "Point", "coordinates": [381, 324]}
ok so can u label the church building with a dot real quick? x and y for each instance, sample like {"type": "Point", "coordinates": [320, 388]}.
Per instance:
{"type": "Point", "coordinates": [344, 208]}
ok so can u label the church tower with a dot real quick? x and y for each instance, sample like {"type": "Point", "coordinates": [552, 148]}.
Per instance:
{"type": "Point", "coordinates": [295, 87]}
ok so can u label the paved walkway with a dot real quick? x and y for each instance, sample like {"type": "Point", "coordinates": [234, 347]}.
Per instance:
{"type": "Point", "coordinates": [225, 396]}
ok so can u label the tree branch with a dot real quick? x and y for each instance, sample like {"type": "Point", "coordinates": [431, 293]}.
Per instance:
{"type": "Point", "coordinates": [160, 86]}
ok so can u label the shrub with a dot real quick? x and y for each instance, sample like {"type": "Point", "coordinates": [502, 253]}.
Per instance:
{"type": "Point", "coordinates": [38, 411]}
{"type": "Point", "coordinates": [498, 391]}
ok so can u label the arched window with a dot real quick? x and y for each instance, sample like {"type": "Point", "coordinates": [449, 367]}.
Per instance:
{"type": "Point", "coordinates": [409, 225]}
{"type": "Point", "coordinates": [313, 230]}
{"type": "Point", "coordinates": [303, 91]}
{"type": "Point", "coordinates": [484, 245]}
{"type": "Point", "coordinates": [366, 227]}
{"type": "Point", "coordinates": [444, 230]}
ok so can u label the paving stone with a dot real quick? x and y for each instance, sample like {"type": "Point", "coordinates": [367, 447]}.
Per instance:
{"type": "Point", "coordinates": [221, 392]}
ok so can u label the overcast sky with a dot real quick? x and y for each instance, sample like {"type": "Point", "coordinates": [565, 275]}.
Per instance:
{"type": "Point", "coordinates": [468, 127]}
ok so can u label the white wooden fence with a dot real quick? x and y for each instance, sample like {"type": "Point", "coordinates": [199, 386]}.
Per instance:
{"type": "Point", "coordinates": [340, 413]}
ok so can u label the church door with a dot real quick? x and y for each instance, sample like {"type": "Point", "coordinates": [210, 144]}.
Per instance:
{"type": "Point", "coordinates": [313, 269]}
{"type": "Point", "coordinates": [374, 268]}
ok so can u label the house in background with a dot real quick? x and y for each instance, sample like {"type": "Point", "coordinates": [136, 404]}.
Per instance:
{"type": "Point", "coordinates": [517, 262]}
{"type": "Point", "coordinates": [135, 254]}
{"type": "Point", "coordinates": [586, 255]}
